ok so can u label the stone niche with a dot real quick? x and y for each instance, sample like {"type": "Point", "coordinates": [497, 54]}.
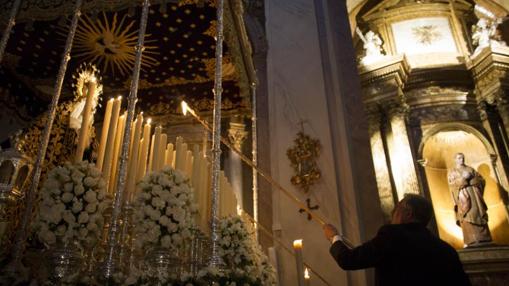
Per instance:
{"type": "Point", "coordinates": [429, 95]}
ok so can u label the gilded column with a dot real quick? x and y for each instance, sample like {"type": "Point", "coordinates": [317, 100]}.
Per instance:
{"type": "Point", "coordinates": [503, 111]}
{"type": "Point", "coordinates": [383, 179]}
{"type": "Point", "coordinates": [402, 162]}
{"type": "Point", "coordinates": [237, 134]}
{"type": "Point", "coordinates": [496, 133]}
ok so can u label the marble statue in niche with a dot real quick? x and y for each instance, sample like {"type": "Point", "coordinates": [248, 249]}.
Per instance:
{"type": "Point", "coordinates": [467, 187]}
{"type": "Point", "coordinates": [485, 34]}
{"type": "Point", "coordinates": [372, 46]}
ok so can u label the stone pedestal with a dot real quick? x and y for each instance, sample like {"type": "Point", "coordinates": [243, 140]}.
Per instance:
{"type": "Point", "coordinates": [486, 266]}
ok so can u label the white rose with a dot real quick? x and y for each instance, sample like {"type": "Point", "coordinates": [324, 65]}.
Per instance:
{"type": "Point", "coordinates": [83, 217]}
{"type": "Point", "coordinates": [68, 187]}
{"type": "Point", "coordinates": [61, 229]}
{"type": "Point", "coordinates": [172, 227]}
{"type": "Point", "coordinates": [67, 197]}
{"type": "Point", "coordinates": [90, 197]}
{"type": "Point", "coordinates": [94, 172]}
{"type": "Point", "coordinates": [155, 215]}
{"type": "Point", "coordinates": [158, 203]}
{"type": "Point", "coordinates": [92, 226]}
{"type": "Point", "coordinates": [48, 237]}
{"type": "Point", "coordinates": [101, 184]}
{"type": "Point", "coordinates": [90, 182]}
{"type": "Point", "coordinates": [179, 179]}
{"type": "Point", "coordinates": [54, 216]}
{"type": "Point", "coordinates": [91, 208]}
{"type": "Point", "coordinates": [77, 176]}
{"type": "Point", "coordinates": [83, 231]}
{"type": "Point", "coordinates": [69, 218]}
{"type": "Point", "coordinates": [156, 189]}
{"type": "Point", "coordinates": [164, 220]}
{"type": "Point", "coordinates": [79, 189]}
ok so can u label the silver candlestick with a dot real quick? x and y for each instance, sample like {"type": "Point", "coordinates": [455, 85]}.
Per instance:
{"type": "Point", "coordinates": [110, 265]}
{"type": "Point", "coordinates": [20, 240]}
{"type": "Point", "coordinates": [10, 24]}
{"type": "Point", "coordinates": [215, 258]}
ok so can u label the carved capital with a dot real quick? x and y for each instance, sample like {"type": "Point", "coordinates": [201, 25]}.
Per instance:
{"type": "Point", "coordinates": [237, 134]}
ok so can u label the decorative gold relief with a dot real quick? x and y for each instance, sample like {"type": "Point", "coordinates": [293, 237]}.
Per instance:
{"type": "Point", "coordinates": [303, 158]}
{"type": "Point", "coordinates": [111, 44]}
{"type": "Point", "coordinates": [426, 34]}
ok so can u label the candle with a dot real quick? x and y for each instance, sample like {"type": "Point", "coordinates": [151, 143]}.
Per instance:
{"type": "Point", "coordinates": [150, 166]}
{"type": "Point", "coordinates": [203, 205]}
{"type": "Point", "coordinates": [189, 163]}
{"type": "Point", "coordinates": [142, 164]}
{"type": "Point", "coordinates": [104, 134]}
{"type": "Point", "coordinates": [85, 121]}
{"type": "Point", "coordinates": [196, 167]}
{"type": "Point", "coordinates": [307, 278]}
{"type": "Point", "coordinates": [178, 154]}
{"type": "Point", "coordinates": [154, 149]}
{"type": "Point", "coordinates": [297, 248]}
{"type": "Point", "coordinates": [119, 138]}
{"type": "Point", "coordinates": [110, 142]}
{"type": "Point", "coordinates": [140, 170]}
{"type": "Point", "coordinates": [161, 157]}
{"type": "Point", "coordinates": [133, 158]}
{"type": "Point", "coordinates": [169, 155]}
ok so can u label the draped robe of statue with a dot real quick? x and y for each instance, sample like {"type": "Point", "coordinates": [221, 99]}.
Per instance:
{"type": "Point", "coordinates": [467, 187]}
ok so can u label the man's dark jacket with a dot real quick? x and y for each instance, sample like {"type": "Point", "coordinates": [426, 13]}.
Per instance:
{"type": "Point", "coordinates": [404, 254]}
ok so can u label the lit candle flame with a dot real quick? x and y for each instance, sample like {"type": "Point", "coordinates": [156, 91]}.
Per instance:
{"type": "Point", "coordinates": [149, 120]}
{"type": "Point", "coordinates": [119, 97]}
{"type": "Point", "coordinates": [297, 244]}
{"type": "Point", "coordinates": [306, 274]}
{"type": "Point", "coordinates": [185, 107]}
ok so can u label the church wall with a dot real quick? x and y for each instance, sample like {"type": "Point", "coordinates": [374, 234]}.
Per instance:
{"type": "Point", "coordinates": [296, 93]}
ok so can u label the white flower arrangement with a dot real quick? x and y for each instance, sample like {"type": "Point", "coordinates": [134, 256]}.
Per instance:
{"type": "Point", "coordinates": [164, 209]}
{"type": "Point", "coordinates": [242, 254]}
{"type": "Point", "coordinates": [73, 199]}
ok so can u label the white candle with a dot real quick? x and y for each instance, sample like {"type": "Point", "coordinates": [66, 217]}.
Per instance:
{"type": "Point", "coordinates": [297, 248]}
{"type": "Point", "coordinates": [155, 151]}
{"type": "Point", "coordinates": [161, 157]}
{"type": "Point", "coordinates": [169, 155]}
{"type": "Point", "coordinates": [179, 159]}
{"type": "Point", "coordinates": [104, 134]}
{"type": "Point", "coordinates": [196, 167]}
{"type": "Point", "coordinates": [189, 163]}
{"type": "Point", "coordinates": [110, 143]}
{"type": "Point", "coordinates": [142, 164]}
{"type": "Point", "coordinates": [85, 121]}
{"type": "Point", "coordinates": [119, 138]}
{"type": "Point", "coordinates": [133, 158]}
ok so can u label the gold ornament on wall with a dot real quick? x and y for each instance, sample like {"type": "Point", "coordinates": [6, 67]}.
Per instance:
{"type": "Point", "coordinates": [303, 158]}
{"type": "Point", "coordinates": [111, 44]}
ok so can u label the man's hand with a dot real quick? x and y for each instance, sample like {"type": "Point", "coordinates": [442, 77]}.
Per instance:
{"type": "Point", "coordinates": [330, 231]}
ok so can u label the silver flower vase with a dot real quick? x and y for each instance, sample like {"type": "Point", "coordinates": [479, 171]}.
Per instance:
{"type": "Point", "coordinates": [162, 265]}
{"type": "Point", "coordinates": [65, 263]}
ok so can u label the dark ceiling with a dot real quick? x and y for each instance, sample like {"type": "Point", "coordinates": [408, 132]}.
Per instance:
{"type": "Point", "coordinates": [178, 61]}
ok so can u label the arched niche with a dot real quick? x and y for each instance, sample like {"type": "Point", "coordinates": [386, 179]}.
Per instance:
{"type": "Point", "coordinates": [6, 171]}
{"type": "Point", "coordinates": [438, 149]}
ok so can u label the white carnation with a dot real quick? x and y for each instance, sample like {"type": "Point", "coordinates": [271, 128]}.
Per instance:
{"type": "Point", "coordinates": [83, 217]}
{"type": "Point", "coordinates": [79, 189]}
{"type": "Point", "coordinates": [90, 197]}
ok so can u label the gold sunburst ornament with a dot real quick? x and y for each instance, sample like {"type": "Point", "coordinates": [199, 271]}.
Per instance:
{"type": "Point", "coordinates": [111, 44]}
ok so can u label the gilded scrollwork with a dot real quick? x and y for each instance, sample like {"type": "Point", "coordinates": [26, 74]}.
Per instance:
{"type": "Point", "coordinates": [303, 159]}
